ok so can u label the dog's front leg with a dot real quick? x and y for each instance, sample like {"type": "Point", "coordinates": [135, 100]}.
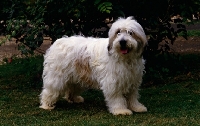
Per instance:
{"type": "Point", "coordinates": [116, 103]}
{"type": "Point", "coordinates": [133, 103]}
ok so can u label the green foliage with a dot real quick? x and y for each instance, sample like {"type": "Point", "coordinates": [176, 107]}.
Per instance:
{"type": "Point", "coordinates": [104, 7]}
{"type": "Point", "coordinates": [29, 33]}
{"type": "Point", "coordinates": [29, 21]}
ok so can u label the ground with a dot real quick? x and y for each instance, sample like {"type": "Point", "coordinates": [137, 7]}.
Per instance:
{"type": "Point", "coordinates": [192, 45]}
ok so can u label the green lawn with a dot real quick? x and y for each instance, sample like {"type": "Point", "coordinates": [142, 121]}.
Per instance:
{"type": "Point", "coordinates": [191, 33]}
{"type": "Point", "coordinates": [175, 103]}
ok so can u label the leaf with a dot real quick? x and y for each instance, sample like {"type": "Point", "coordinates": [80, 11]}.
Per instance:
{"type": "Point", "coordinates": [109, 8]}
{"type": "Point", "coordinates": [108, 3]}
{"type": "Point", "coordinates": [13, 33]}
{"type": "Point", "coordinates": [105, 7]}
{"type": "Point", "coordinates": [100, 6]}
{"type": "Point", "coordinates": [97, 2]}
{"type": "Point", "coordinates": [108, 11]}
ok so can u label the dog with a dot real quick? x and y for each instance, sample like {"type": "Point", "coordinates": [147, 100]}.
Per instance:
{"type": "Point", "coordinates": [115, 65]}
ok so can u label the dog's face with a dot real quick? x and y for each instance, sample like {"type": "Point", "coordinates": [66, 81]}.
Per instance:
{"type": "Point", "coordinates": [126, 36]}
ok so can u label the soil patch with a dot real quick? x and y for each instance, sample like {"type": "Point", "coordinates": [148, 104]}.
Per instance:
{"type": "Point", "coordinates": [191, 45]}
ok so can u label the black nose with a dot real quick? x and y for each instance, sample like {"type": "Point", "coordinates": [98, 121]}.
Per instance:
{"type": "Point", "coordinates": [122, 42]}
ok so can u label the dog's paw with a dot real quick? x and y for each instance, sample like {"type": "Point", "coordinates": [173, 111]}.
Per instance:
{"type": "Point", "coordinates": [47, 107]}
{"type": "Point", "coordinates": [122, 112]}
{"type": "Point", "coordinates": [139, 108]}
{"type": "Point", "coordinates": [78, 99]}
{"type": "Point", "coordinates": [69, 101]}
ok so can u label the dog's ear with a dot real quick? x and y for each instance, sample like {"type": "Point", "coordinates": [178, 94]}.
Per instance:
{"type": "Point", "coordinates": [109, 47]}
{"type": "Point", "coordinates": [110, 44]}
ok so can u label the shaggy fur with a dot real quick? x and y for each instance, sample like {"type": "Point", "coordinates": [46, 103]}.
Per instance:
{"type": "Point", "coordinates": [114, 65]}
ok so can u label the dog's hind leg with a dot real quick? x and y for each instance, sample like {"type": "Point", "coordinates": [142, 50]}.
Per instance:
{"type": "Point", "coordinates": [72, 94]}
{"type": "Point", "coordinates": [48, 98]}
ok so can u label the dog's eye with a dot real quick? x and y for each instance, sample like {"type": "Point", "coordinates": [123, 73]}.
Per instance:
{"type": "Point", "coordinates": [130, 32]}
{"type": "Point", "coordinates": [118, 32]}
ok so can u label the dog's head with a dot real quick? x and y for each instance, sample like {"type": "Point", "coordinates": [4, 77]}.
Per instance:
{"type": "Point", "coordinates": [126, 36]}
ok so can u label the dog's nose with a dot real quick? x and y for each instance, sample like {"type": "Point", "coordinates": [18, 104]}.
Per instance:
{"type": "Point", "coordinates": [122, 42]}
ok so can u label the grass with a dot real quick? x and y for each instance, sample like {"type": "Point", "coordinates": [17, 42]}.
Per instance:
{"type": "Point", "coordinates": [174, 103]}
{"type": "Point", "coordinates": [193, 32]}
{"type": "Point", "coordinates": [190, 33]}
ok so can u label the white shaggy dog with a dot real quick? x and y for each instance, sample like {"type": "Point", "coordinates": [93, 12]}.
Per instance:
{"type": "Point", "coordinates": [114, 64]}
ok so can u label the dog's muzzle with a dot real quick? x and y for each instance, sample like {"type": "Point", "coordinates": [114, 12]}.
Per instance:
{"type": "Point", "coordinates": [123, 43]}
{"type": "Point", "coordinates": [123, 46]}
